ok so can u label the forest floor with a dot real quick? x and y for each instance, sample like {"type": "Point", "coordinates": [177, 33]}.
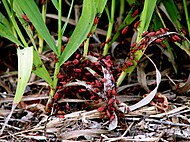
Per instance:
{"type": "Point", "coordinates": [80, 113]}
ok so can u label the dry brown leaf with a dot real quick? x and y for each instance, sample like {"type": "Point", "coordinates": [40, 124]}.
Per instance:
{"type": "Point", "coordinates": [87, 132]}
{"type": "Point", "coordinates": [185, 88]}
{"type": "Point", "coordinates": [141, 76]}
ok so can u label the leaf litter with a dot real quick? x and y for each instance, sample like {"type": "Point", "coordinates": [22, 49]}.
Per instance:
{"type": "Point", "coordinates": [90, 107]}
{"type": "Point", "coordinates": [90, 124]}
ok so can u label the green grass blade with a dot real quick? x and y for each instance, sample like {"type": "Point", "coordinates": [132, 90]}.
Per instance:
{"type": "Point", "coordinates": [25, 61]}
{"type": "Point", "coordinates": [173, 12]}
{"type": "Point", "coordinates": [68, 16]}
{"type": "Point", "coordinates": [4, 21]}
{"type": "Point", "coordinates": [126, 22]}
{"type": "Point", "coordinates": [8, 34]}
{"type": "Point", "coordinates": [130, 1]}
{"type": "Point", "coordinates": [145, 19]}
{"type": "Point", "coordinates": [81, 31]}
{"type": "Point", "coordinates": [25, 24]}
{"type": "Point", "coordinates": [39, 68]}
{"type": "Point", "coordinates": [55, 3]}
{"type": "Point", "coordinates": [5, 30]}
{"type": "Point", "coordinates": [174, 15]}
{"type": "Point", "coordinates": [146, 16]}
{"type": "Point", "coordinates": [100, 5]}
{"type": "Point", "coordinates": [187, 15]}
{"type": "Point", "coordinates": [156, 25]}
{"type": "Point", "coordinates": [31, 10]}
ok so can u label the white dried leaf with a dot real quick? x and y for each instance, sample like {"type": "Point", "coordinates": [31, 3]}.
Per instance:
{"type": "Point", "coordinates": [113, 123]}
{"type": "Point", "coordinates": [151, 95]}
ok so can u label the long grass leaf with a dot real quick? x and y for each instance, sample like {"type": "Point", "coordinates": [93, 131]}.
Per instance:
{"type": "Point", "coordinates": [31, 10]}
{"type": "Point", "coordinates": [3, 20]}
{"type": "Point", "coordinates": [146, 16]}
{"type": "Point", "coordinates": [126, 22]}
{"type": "Point", "coordinates": [187, 15]}
{"type": "Point", "coordinates": [8, 34]}
{"type": "Point", "coordinates": [68, 16]}
{"type": "Point", "coordinates": [55, 3]}
{"type": "Point", "coordinates": [5, 30]}
{"type": "Point", "coordinates": [100, 5]}
{"type": "Point", "coordinates": [156, 25]}
{"type": "Point", "coordinates": [171, 10]}
{"type": "Point", "coordinates": [145, 19]}
{"type": "Point", "coordinates": [39, 68]}
{"type": "Point", "coordinates": [81, 31]}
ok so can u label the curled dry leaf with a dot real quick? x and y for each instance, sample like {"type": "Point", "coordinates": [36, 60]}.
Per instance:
{"type": "Point", "coordinates": [151, 95]}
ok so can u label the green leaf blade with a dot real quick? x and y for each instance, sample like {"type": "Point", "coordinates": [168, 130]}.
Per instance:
{"type": "Point", "coordinates": [81, 31]}
{"type": "Point", "coordinates": [31, 10]}
{"type": "Point", "coordinates": [145, 19]}
{"type": "Point", "coordinates": [55, 3]}
{"type": "Point", "coordinates": [100, 5]}
{"type": "Point", "coordinates": [5, 30]}
{"type": "Point", "coordinates": [173, 12]}
{"type": "Point", "coordinates": [67, 20]}
{"type": "Point", "coordinates": [146, 16]}
{"type": "Point", "coordinates": [40, 70]}
{"type": "Point", "coordinates": [8, 34]}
